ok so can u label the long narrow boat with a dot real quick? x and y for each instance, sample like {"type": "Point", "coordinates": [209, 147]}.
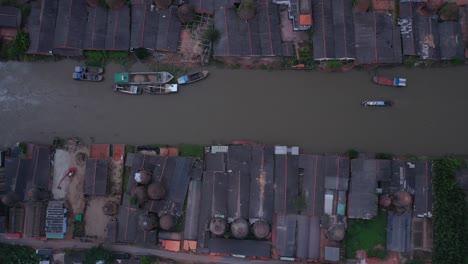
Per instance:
{"type": "Point", "coordinates": [192, 77]}
{"type": "Point", "coordinates": [399, 82]}
{"type": "Point", "coordinates": [376, 103]}
{"type": "Point", "coordinates": [160, 89]}
{"type": "Point", "coordinates": [142, 77]}
{"type": "Point", "coordinates": [83, 76]}
{"type": "Point", "coordinates": [89, 69]}
{"type": "Point", "coordinates": [127, 89]}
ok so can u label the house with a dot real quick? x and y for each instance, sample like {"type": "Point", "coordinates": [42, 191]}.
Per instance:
{"type": "Point", "coordinates": [299, 11]}
{"type": "Point", "coordinates": [256, 37]}
{"type": "Point", "coordinates": [56, 220]}
{"type": "Point", "coordinates": [423, 194]}
{"type": "Point", "coordinates": [154, 30]}
{"type": "Point", "coordinates": [333, 30]}
{"type": "Point", "coordinates": [97, 171]}
{"type": "Point", "coordinates": [10, 22]}
{"type": "Point", "coordinates": [399, 232]}
{"type": "Point", "coordinates": [362, 196]}
{"type": "Point", "coordinates": [41, 26]}
{"type": "Point", "coordinates": [377, 39]}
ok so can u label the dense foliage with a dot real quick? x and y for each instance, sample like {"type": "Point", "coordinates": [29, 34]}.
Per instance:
{"type": "Point", "coordinates": [14, 254]}
{"type": "Point", "coordinates": [147, 260]}
{"type": "Point", "coordinates": [450, 237]}
{"type": "Point", "coordinates": [98, 253]}
{"type": "Point", "coordinates": [142, 53]}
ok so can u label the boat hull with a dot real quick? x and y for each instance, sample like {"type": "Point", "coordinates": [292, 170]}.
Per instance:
{"type": "Point", "coordinates": [397, 82]}
{"type": "Point", "coordinates": [377, 103]}
{"type": "Point", "coordinates": [146, 78]}
{"type": "Point", "coordinates": [192, 77]}
{"type": "Point", "coordinates": [127, 89]}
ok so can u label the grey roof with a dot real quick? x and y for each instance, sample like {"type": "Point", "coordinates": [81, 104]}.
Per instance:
{"type": "Point", "coordinates": [41, 26]}
{"type": "Point", "coordinates": [144, 25]}
{"type": "Point", "coordinates": [420, 34]}
{"type": "Point", "coordinates": [451, 40]}
{"type": "Point", "coordinates": [285, 234]}
{"type": "Point", "coordinates": [35, 219]}
{"type": "Point", "coordinates": [111, 231]}
{"type": "Point", "coordinates": [18, 174]}
{"type": "Point", "coordinates": [127, 224]}
{"type": "Point", "coordinates": [97, 171]}
{"type": "Point", "coordinates": [403, 176]}
{"type": "Point", "coordinates": [336, 173]}
{"type": "Point", "coordinates": [205, 209]}
{"type": "Point", "coordinates": [429, 47]}
{"type": "Point", "coordinates": [423, 195]}
{"type": "Point", "coordinates": [399, 232]}
{"type": "Point", "coordinates": [286, 183]}
{"type": "Point", "coordinates": [117, 30]}
{"type": "Point", "coordinates": [261, 183]}
{"type": "Point", "coordinates": [10, 17]}
{"type": "Point", "coordinates": [333, 29]}
{"type": "Point", "coordinates": [245, 248]}
{"type": "Point", "coordinates": [313, 183]}
{"type": "Point", "coordinates": [193, 210]}
{"type": "Point", "coordinates": [203, 6]}
{"type": "Point", "coordinates": [332, 254]}
{"type": "Point", "coordinates": [215, 161]}
{"type": "Point", "coordinates": [96, 28]}
{"type": "Point", "coordinates": [409, 31]}
{"type": "Point", "coordinates": [179, 183]}
{"type": "Point", "coordinates": [378, 40]}
{"type": "Point", "coordinates": [362, 199]}
{"type": "Point", "coordinates": [308, 237]}
{"type": "Point", "coordinates": [238, 165]}
{"type": "Point", "coordinates": [69, 29]}
{"type": "Point", "coordinates": [169, 27]}
{"type": "Point", "coordinates": [260, 36]}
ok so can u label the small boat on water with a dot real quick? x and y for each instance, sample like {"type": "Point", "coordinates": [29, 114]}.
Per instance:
{"type": "Point", "coordinates": [142, 77]}
{"type": "Point", "coordinates": [192, 77]}
{"type": "Point", "coordinates": [84, 76]}
{"type": "Point", "coordinates": [89, 69]}
{"type": "Point", "coordinates": [399, 82]}
{"type": "Point", "coordinates": [127, 89]}
{"type": "Point", "coordinates": [376, 103]}
{"type": "Point", "coordinates": [161, 89]}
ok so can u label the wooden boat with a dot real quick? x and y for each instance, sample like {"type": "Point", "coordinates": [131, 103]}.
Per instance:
{"type": "Point", "coordinates": [160, 89]}
{"type": "Point", "coordinates": [89, 69]}
{"type": "Point", "coordinates": [376, 103]}
{"type": "Point", "coordinates": [143, 77]}
{"type": "Point", "coordinates": [399, 82]}
{"type": "Point", "coordinates": [192, 77]}
{"type": "Point", "coordinates": [83, 76]}
{"type": "Point", "coordinates": [127, 89]}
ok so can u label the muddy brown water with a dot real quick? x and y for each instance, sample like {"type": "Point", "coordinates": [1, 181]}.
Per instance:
{"type": "Point", "coordinates": [320, 112]}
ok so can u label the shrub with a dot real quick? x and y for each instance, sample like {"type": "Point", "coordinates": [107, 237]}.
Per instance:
{"type": "Point", "coordinates": [385, 156]}
{"type": "Point", "coordinates": [334, 65]}
{"type": "Point", "coordinates": [212, 35]}
{"type": "Point", "coordinates": [98, 253]}
{"type": "Point", "coordinates": [300, 203]}
{"type": "Point", "coordinates": [147, 260]}
{"type": "Point", "coordinates": [142, 53]}
{"type": "Point", "coordinates": [352, 153]}
{"type": "Point", "coordinates": [457, 61]}
{"type": "Point", "coordinates": [16, 49]}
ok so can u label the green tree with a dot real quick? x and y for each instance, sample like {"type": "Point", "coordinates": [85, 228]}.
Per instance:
{"type": "Point", "coordinates": [450, 236]}
{"type": "Point", "coordinates": [14, 254]}
{"type": "Point", "coordinates": [98, 253]}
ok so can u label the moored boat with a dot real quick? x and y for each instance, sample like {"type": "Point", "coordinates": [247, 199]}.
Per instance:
{"type": "Point", "coordinates": [89, 69]}
{"type": "Point", "coordinates": [192, 77]}
{"type": "Point", "coordinates": [399, 82]}
{"type": "Point", "coordinates": [83, 76]}
{"type": "Point", "coordinates": [127, 89]}
{"type": "Point", "coordinates": [142, 77]}
{"type": "Point", "coordinates": [161, 89]}
{"type": "Point", "coordinates": [378, 103]}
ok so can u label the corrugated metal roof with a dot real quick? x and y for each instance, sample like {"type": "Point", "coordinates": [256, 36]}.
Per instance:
{"type": "Point", "coordinates": [41, 25]}
{"type": "Point", "coordinates": [399, 232]}
{"type": "Point", "coordinates": [423, 195]}
{"type": "Point", "coordinates": [332, 254]}
{"type": "Point", "coordinates": [313, 183]}
{"type": "Point", "coordinates": [10, 17]}
{"type": "Point", "coordinates": [285, 235]}
{"type": "Point", "coordinates": [97, 171]}
{"type": "Point", "coordinates": [451, 40]}
{"type": "Point", "coordinates": [333, 29]}
{"type": "Point", "coordinates": [378, 40]}
{"type": "Point", "coordinates": [362, 192]}
{"type": "Point", "coordinates": [261, 183]}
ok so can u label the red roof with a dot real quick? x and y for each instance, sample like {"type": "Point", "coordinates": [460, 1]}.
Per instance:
{"type": "Point", "coordinates": [99, 151]}
{"type": "Point", "coordinates": [305, 20]}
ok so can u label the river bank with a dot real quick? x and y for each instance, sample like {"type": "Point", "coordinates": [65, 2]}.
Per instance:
{"type": "Point", "coordinates": [316, 111]}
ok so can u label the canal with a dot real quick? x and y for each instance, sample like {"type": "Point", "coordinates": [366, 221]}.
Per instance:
{"type": "Point", "coordinates": [320, 112]}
